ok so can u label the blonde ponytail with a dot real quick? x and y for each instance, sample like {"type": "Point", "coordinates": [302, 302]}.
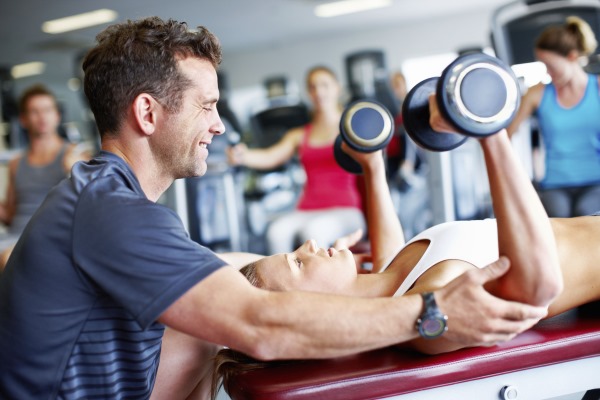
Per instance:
{"type": "Point", "coordinates": [588, 42]}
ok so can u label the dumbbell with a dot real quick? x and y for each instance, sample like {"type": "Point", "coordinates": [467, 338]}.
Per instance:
{"type": "Point", "coordinates": [365, 126]}
{"type": "Point", "coordinates": [477, 93]}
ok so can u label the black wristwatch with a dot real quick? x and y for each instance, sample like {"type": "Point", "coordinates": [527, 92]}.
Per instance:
{"type": "Point", "coordinates": [432, 323]}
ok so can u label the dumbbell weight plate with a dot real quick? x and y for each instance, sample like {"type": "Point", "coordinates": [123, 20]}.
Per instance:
{"type": "Point", "coordinates": [366, 126]}
{"type": "Point", "coordinates": [415, 114]}
{"type": "Point", "coordinates": [343, 159]}
{"type": "Point", "coordinates": [478, 94]}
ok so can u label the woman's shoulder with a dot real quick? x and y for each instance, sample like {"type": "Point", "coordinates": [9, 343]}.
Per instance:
{"type": "Point", "coordinates": [456, 228]}
{"type": "Point", "coordinates": [536, 90]}
{"type": "Point", "coordinates": [296, 134]}
{"type": "Point", "coordinates": [533, 96]}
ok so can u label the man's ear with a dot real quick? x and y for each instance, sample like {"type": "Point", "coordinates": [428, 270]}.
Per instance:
{"type": "Point", "coordinates": [145, 112]}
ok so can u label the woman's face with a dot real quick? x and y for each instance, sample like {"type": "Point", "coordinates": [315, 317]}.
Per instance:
{"type": "Point", "coordinates": [560, 68]}
{"type": "Point", "coordinates": [309, 268]}
{"type": "Point", "coordinates": [324, 89]}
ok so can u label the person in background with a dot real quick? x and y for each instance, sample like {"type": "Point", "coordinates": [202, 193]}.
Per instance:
{"type": "Point", "coordinates": [330, 204]}
{"type": "Point", "coordinates": [568, 114]}
{"type": "Point", "coordinates": [47, 160]}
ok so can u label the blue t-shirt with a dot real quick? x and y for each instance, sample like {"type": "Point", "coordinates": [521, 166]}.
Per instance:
{"type": "Point", "coordinates": [80, 296]}
{"type": "Point", "coordinates": [571, 138]}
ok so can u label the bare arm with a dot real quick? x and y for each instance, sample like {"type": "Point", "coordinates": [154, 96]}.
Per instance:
{"type": "Point", "coordinates": [10, 203]}
{"type": "Point", "coordinates": [74, 153]}
{"type": "Point", "coordinates": [385, 231]}
{"type": "Point", "coordinates": [529, 103]}
{"type": "Point", "coordinates": [269, 157]}
{"type": "Point", "coordinates": [524, 231]}
{"type": "Point", "coordinates": [525, 235]}
{"type": "Point", "coordinates": [274, 325]}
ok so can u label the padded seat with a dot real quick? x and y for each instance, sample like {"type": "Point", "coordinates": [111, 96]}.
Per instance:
{"type": "Point", "coordinates": [557, 357]}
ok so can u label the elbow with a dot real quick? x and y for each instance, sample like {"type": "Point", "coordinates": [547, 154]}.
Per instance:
{"type": "Point", "coordinates": [549, 285]}
{"type": "Point", "coordinates": [263, 346]}
{"type": "Point", "coordinates": [548, 291]}
{"type": "Point", "coordinates": [263, 350]}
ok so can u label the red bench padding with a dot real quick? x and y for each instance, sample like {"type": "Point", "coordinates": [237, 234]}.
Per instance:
{"type": "Point", "coordinates": [393, 371]}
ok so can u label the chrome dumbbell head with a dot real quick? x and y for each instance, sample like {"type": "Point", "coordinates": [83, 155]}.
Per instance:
{"type": "Point", "coordinates": [477, 93]}
{"type": "Point", "coordinates": [365, 126]}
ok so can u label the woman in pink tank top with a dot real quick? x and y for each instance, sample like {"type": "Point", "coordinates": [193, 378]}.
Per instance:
{"type": "Point", "coordinates": [330, 203]}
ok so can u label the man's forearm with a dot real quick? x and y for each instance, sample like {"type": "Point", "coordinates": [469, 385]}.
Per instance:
{"type": "Point", "coordinates": [306, 325]}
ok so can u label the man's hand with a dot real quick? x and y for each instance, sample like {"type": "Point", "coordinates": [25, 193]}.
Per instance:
{"type": "Point", "coordinates": [477, 318]}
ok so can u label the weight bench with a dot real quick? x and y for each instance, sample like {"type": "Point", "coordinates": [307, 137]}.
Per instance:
{"type": "Point", "coordinates": [559, 356]}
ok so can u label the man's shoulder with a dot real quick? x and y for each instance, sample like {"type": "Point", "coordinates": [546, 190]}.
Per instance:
{"type": "Point", "coordinates": [105, 176]}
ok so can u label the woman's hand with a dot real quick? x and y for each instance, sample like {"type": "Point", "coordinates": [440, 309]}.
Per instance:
{"type": "Point", "coordinates": [235, 154]}
{"type": "Point", "coordinates": [436, 120]}
{"type": "Point", "coordinates": [345, 242]}
{"type": "Point", "coordinates": [360, 257]}
{"type": "Point", "coordinates": [367, 160]}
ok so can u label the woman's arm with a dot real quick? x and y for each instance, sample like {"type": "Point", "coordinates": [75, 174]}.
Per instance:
{"type": "Point", "coordinates": [385, 231]}
{"type": "Point", "coordinates": [524, 231]}
{"type": "Point", "coordinates": [270, 157]}
{"type": "Point", "coordinates": [529, 103]}
{"type": "Point", "coordinates": [525, 234]}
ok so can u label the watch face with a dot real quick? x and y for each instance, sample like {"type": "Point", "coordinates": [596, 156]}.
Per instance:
{"type": "Point", "coordinates": [433, 327]}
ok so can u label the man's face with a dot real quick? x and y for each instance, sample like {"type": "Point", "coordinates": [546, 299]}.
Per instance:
{"type": "Point", "coordinates": [181, 146]}
{"type": "Point", "coordinates": [40, 116]}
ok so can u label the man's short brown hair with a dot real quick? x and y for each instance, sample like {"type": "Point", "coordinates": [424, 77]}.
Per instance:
{"type": "Point", "coordinates": [141, 57]}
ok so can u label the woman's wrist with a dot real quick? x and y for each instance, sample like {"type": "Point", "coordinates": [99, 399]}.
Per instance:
{"type": "Point", "coordinates": [373, 163]}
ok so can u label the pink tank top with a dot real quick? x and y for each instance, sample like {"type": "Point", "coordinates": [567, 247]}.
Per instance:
{"type": "Point", "coordinates": [327, 184]}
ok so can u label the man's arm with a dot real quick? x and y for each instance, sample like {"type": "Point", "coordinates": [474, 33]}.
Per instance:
{"type": "Point", "coordinates": [225, 309]}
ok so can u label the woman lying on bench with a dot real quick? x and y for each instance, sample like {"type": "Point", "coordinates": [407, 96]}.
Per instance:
{"type": "Point", "coordinates": [553, 262]}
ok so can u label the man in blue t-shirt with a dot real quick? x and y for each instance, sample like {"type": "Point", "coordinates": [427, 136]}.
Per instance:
{"type": "Point", "coordinates": [101, 269]}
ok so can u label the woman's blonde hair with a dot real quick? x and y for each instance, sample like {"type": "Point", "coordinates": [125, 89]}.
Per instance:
{"type": "Point", "coordinates": [574, 35]}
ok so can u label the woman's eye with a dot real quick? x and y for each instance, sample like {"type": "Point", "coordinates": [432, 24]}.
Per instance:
{"type": "Point", "coordinates": [298, 262]}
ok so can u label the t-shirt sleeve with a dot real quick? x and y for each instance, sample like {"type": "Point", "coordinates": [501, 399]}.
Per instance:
{"type": "Point", "coordinates": [137, 252]}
